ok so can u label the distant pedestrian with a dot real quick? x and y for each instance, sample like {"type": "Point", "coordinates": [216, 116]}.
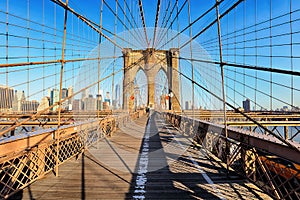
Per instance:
{"type": "Point", "coordinates": [147, 111]}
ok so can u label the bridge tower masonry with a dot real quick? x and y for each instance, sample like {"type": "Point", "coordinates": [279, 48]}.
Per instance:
{"type": "Point", "coordinates": [151, 61]}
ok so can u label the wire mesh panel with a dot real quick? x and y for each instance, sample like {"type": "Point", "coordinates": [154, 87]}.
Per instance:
{"type": "Point", "coordinates": [228, 68]}
{"type": "Point", "coordinates": [277, 174]}
{"type": "Point", "coordinates": [23, 164]}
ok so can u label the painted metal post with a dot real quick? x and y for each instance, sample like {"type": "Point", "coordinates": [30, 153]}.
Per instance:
{"type": "Point", "coordinates": [222, 76]}
{"type": "Point", "coordinates": [57, 135]}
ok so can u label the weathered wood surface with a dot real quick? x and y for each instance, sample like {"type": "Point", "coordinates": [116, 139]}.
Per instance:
{"type": "Point", "coordinates": [141, 161]}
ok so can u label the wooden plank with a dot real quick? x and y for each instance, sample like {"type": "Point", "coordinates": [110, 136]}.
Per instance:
{"type": "Point", "coordinates": [110, 170]}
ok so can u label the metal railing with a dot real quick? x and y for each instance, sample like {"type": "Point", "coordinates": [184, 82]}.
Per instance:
{"type": "Point", "coordinates": [28, 157]}
{"type": "Point", "coordinates": [269, 163]}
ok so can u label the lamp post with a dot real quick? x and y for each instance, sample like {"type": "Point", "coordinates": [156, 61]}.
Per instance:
{"type": "Point", "coordinates": [170, 99]}
{"type": "Point", "coordinates": [136, 94]}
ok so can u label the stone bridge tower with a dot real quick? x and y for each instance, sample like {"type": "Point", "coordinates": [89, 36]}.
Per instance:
{"type": "Point", "coordinates": [150, 61]}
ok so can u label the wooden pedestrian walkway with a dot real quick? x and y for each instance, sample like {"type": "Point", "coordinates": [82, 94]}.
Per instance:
{"type": "Point", "coordinates": [147, 159]}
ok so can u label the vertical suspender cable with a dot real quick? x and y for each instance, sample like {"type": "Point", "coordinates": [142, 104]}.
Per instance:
{"type": "Point", "coordinates": [123, 10]}
{"type": "Point", "coordinates": [99, 99]}
{"type": "Point", "coordinates": [156, 22]}
{"type": "Point", "coordinates": [235, 56]}
{"type": "Point", "coordinates": [43, 40]}
{"type": "Point", "coordinates": [6, 49]}
{"type": "Point", "coordinates": [135, 25]}
{"type": "Point", "coordinates": [114, 62]}
{"type": "Point", "coordinates": [143, 21]}
{"type": "Point", "coordinates": [192, 63]}
{"type": "Point", "coordinates": [167, 37]}
{"type": "Point", "coordinates": [271, 59]}
{"type": "Point", "coordinates": [222, 77]}
{"type": "Point", "coordinates": [244, 48]}
{"type": "Point", "coordinates": [292, 63]}
{"type": "Point", "coordinates": [28, 51]}
{"type": "Point", "coordinates": [256, 57]}
{"type": "Point", "coordinates": [178, 40]}
{"type": "Point", "coordinates": [60, 86]}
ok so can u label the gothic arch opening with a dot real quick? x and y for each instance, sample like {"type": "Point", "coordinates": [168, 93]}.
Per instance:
{"type": "Point", "coordinates": [151, 61]}
{"type": "Point", "coordinates": [140, 89]}
{"type": "Point", "coordinates": [161, 90]}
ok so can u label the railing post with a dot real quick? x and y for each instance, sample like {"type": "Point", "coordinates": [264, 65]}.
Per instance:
{"type": "Point", "coordinates": [222, 76]}
{"type": "Point", "coordinates": [60, 88]}
{"type": "Point", "coordinates": [249, 167]}
{"type": "Point", "coordinates": [286, 132]}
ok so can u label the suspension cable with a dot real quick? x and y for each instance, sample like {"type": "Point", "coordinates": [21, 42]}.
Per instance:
{"type": "Point", "coordinates": [276, 70]}
{"type": "Point", "coordinates": [132, 17]}
{"type": "Point", "coordinates": [143, 21]}
{"type": "Point", "coordinates": [120, 20]}
{"type": "Point", "coordinates": [156, 22]}
{"type": "Point", "coordinates": [138, 33]}
{"type": "Point", "coordinates": [169, 18]}
{"type": "Point", "coordinates": [213, 22]}
{"type": "Point", "coordinates": [176, 17]}
{"type": "Point", "coordinates": [240, 112]}
{"type": "Point", "coordinates": [85, 20]}
{"type": "Point", "coordinates": [192, 23]}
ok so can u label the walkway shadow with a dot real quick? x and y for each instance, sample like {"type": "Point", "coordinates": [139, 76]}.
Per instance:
{"type": "Point", "coordinates": [158, 180]}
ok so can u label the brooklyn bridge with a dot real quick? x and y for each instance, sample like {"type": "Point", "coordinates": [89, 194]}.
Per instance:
{"type": "Point", "coordinates": [163, 99]}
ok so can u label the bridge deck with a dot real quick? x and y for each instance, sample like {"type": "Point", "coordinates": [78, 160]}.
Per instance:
{"type": "Point", "coordinates": [151, 161]}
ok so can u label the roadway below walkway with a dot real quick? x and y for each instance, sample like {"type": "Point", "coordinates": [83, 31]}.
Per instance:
{"type": "Point", "coordinates": [147, 159]}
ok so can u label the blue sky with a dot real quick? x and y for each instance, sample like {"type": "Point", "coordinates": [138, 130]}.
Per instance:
{"type": "Point", "coordinates": [238, 36]}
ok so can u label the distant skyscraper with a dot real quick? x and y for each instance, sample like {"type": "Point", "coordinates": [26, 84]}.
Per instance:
{"type": "Point", "coordinates": [99, 101]}
{"type": "Point", "coordinates": [90, 103]}
{"type": "Point", "coordinates": [70, 92]}
{"type": "Point", "coordinates": [285, 108]}
{"type": "Point", "coordinates": [187, 105]}
{"type": "Point", "coordinates": [54, 98]}
{"type": "Point", "coordinates": [29, 106]}
{"type": "Point", "coordinates": [19, 98]}
{"type": "Point", "coordinates": [105, 105]}
{"type": "Point", "coordinates": [107, 95]}
{"type": "Point", "coordinates": [64, 93]}
{"type": "Point", "coordinates": [49, 92]}
{"type": "Point", "coordinates": [76, 105]}
{"type": "Point", "coordinates": [116, 101]}
{"type": "Point", "coordinates": [84, 94]}
{"type": "Point", "coordinates": [246, 105]}
{"type": "Point", "coordinates": [6, 97]}
{"type": "Point", "coordinates": [117, 92]}
{"type": "Point", "coordinates": [107, 98]}
{"type": "Point", "coordinates": [45, 103]}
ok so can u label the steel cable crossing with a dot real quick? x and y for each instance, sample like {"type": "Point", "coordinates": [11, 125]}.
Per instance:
{"type": "Point", "coordinates": [166, 19]}
{"type": "Point", "coordinates": [233, 69]}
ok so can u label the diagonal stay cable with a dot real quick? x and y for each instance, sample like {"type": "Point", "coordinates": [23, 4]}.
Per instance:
{"type": "Point", "coordinates": [169, 18]}
{"type": "Point", "coordinates": [240, 112]}
{"type": "Point", "coordinates": [166, 12]}
{"type": "Point", "coordinates": [192, 23]}
{"type": "Point", "coordinates": [156, 22]}
{"type": "Point", "coordinates": [164, 17]}
{"type": "Point", "coordinates": [276, 70]}
{"type": "Point", "coordinates": [130, 23]}
{"type": "Point", "coordinates": [85, 20]}
{"type": "Point", "coordinates": [143, 21]}
{"type": "Point", "coordinates": [132, 17]}
{"type": "Point", "coordinates": [35, 115]}
{"type": "Point", "coordinates": [120, 20]}
{"type": "Point", "coordinates": [176, 17]}
{"type": "Point", "coordinates": [170, 15]}
{"type": "Point", "coordinates": [49, 62]}
{"type": "Point", "coordinates": [213, 22]}
{"type": "Point", "coordinates": [92, 24]}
